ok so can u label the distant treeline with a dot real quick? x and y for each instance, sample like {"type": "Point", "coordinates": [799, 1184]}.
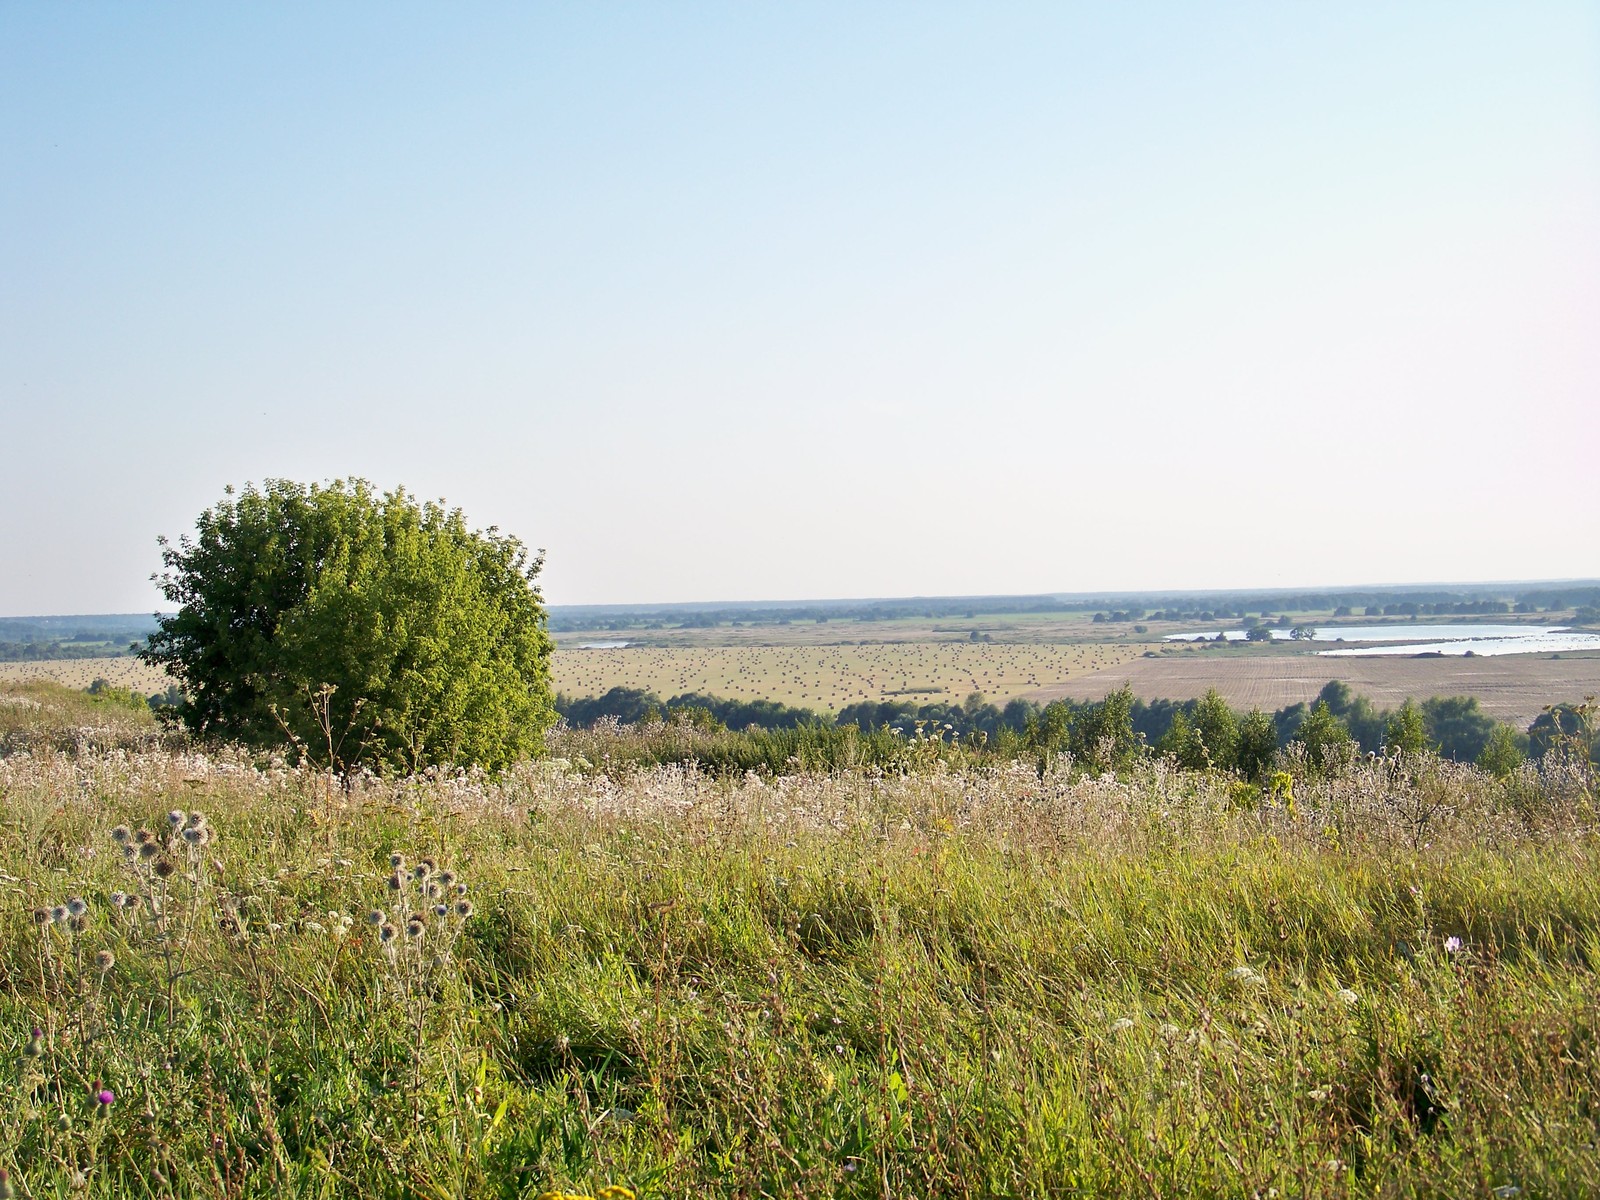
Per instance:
{"type": "Point", "coordinates": [1455, 727]}
{"type": "Point", "coordinates": [24, 639]}
{"type": "Point", "coordinates": [54, 651]}
{"type": "Point", "coordinates": [1468, 601]}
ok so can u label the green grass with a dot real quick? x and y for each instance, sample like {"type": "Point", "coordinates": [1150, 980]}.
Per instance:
{"type": "Point", "coordinates": [942, 983]}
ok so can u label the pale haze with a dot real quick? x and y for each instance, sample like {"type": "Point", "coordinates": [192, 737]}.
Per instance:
{"type": "Point", "coordinates": [795, 301]}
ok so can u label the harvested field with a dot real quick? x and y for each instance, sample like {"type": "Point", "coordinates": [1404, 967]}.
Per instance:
{"type": "Point", "coordinates": [125, 672]}
{"type": "Point", "coordinates": [1513, 688]}
{"type": "Point", "coordinates": [831, 677]}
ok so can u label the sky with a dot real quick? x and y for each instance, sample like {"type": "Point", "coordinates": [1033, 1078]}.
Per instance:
{"type": "Point", "coordinates": [732, 301]}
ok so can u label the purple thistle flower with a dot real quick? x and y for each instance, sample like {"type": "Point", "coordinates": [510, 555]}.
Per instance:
{"type": "Point", "coordinates": [105, 1097]}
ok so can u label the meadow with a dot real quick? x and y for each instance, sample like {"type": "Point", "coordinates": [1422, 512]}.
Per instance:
{"type": "Point", "coordinates": [941, 981]}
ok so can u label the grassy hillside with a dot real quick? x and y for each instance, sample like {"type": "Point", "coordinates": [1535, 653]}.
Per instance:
{"type": "Point", "coordinates": [940, 983]}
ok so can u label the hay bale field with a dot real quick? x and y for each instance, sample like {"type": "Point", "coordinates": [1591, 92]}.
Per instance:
{"type": "Point", "coordinates": [831, 677]}
{"type": "Point", "coordinates": [122, 671]}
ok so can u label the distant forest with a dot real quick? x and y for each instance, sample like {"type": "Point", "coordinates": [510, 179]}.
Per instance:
{"type": "Point", "coordinates": [1371, 602]}
{"type": "Point", "coordinates": [34, 639]}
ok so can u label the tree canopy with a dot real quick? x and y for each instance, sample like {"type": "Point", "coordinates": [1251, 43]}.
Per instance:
{"type": "Point", "coordinates": [362, 629]}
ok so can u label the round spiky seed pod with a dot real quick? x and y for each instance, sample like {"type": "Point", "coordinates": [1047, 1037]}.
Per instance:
{"type": "Point", "coordinates": [441, 910]}
{"type": "Point", "coordinates": [164, 868]}
{"type": "Point", "coordinates": [41, 916]}
{"type": "Point", "coordinates": [59, 914]}
{"type": "Point", "coordinates": [77, 906]}
{"type": "Point", "coordinates": [122, 835]}
{"type": "Point", "coordinates": [193, 834]}
{"type": "Point", "coordinates": [132, 901]}
{"type": "Point", "coordinates": [397, 861]}
{"type": "Point", "coordinates": [415, 928]}
{"type": "Point", "coordinates": [148, 850]}
{"type": "Point", "coordinates": [446, 879]}
{"type": "Point", "coordinates": [396, 882]}
{"type": "Point", "coordinates": [377, 917]}
{"type": "Point", "coordinates": [104, 961]}
{"type": "Point", "coordinates": [386, 932]}
{"type": "Point", "coordinates": [177, 817]}
{"type": "Point", "coordinates": [117, 899]}
{"type": "Point", "coordinates": [78, 924]}
{"type": "Point", "coordinates": [196, 820]}
{"type": "Point", "coordinates": [463, 909]}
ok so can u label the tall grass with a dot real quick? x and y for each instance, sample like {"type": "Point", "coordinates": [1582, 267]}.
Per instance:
{"type": "Point", "coordinates": [940, 981]}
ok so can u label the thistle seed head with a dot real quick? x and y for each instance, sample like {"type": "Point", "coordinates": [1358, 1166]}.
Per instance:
{"type": "Point", "coordinates": [164, 868]}
{"type": "Point", "coordinates": [148, 850]}
{"type": "Point", "coordinates": [104, 961]}
{"type": "Point", "coordinates": [77, 906]}
{"type": "Point", "coordinates": [121, 835]}
{"type": "Point", "coordinates": [176, 817]}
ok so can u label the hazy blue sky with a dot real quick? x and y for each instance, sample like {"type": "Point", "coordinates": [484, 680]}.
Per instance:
{"type": "Point", "coordinates": [779, 301]}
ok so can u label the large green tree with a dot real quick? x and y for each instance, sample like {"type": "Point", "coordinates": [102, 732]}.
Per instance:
{"type": "Point", "coordinates": [362, 629]}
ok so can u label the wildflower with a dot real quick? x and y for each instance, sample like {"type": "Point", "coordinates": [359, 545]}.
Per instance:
{"type": "Point", "coordinates": [1452, 944]}
{"type": "Point", "coordinates": [105, 1098]}
{"type": "Point", "coordinates": [1350, 998]}
{"type": "Point", "coordinates": [35, 1046]}
{"type": "Point", "coordinates": [104, 961]}
{"type": "Point", "coordinates": [121, 835]}
{"type": "Point", "coordinates": [77, 906]}
{"type": "Point", "coordinates": [176, 818]}
{"type": "Point", "coordinates": [377, 917]}
{"type": "Point", "coordinates": [463, 909]}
